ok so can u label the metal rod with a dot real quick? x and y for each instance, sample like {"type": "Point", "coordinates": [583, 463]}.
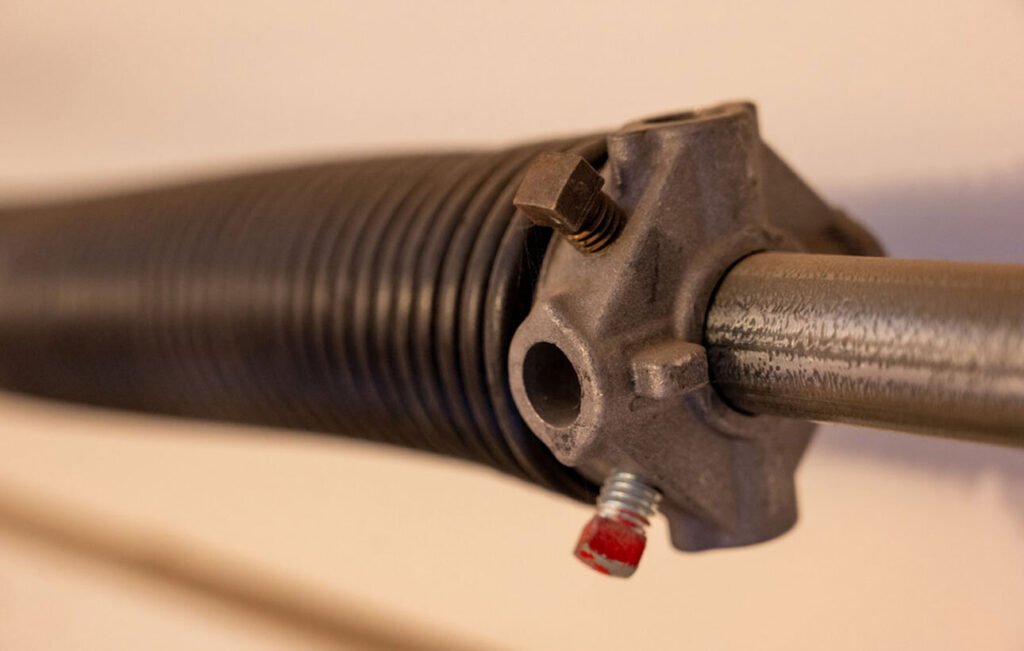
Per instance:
{"type": "Point", "coordinates": [913, 345]}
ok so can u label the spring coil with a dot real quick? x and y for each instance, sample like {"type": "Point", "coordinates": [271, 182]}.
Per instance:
{"type": "Point", "coordinates": [369, 298]}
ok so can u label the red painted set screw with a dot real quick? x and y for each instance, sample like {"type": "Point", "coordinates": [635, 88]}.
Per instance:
{"type": "Point", "coordinates": [614, 539]}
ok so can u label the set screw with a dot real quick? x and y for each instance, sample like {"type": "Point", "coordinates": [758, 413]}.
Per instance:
{"type": "Point", "coordinates": [615, 538]}
{"type": "Point", "coordinates": [563, 191]}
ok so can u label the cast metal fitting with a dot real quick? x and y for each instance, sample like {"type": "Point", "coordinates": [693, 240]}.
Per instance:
{"type": "Point", "coordinates": [609, 368]}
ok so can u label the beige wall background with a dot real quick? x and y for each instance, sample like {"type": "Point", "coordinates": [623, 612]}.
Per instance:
{"type": "Point", "coordinates": [906, 113]}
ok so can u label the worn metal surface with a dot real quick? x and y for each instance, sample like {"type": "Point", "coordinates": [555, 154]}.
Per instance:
{"type": "Point", "coordinates": [609, 369]}
{"type": "Point", "coordinates": [899, 344]}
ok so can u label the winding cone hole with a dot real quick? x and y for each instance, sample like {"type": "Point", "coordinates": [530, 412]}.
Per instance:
{"type": "Point", "coordinates": [552, 384]}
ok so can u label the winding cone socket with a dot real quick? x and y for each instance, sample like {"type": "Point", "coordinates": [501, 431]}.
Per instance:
{"type": "Point", "coordinates": [609, 367]}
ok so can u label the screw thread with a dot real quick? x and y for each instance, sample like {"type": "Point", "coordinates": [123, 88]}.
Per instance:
{"type": "Point", "coordinates": [603, 225]}
{"type": "Point", "coordinates": [628, 499]}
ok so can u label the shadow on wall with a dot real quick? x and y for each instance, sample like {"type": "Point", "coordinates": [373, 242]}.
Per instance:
{"type": "Point", "coordinates": [952, 220]}
{"type": "Point", "coordinates": [980, 221]}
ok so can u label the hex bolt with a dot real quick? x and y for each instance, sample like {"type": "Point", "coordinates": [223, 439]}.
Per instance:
{"type": "Point", "coordinates": [614, 539]}
{"type": "Point", "coordinates": [563, 191]}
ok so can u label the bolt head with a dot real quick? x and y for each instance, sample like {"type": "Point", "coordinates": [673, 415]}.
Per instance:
{"type": "Point", "coordinates": [559, 191]}
{"type": "Point", "coordinates": [611, 546]}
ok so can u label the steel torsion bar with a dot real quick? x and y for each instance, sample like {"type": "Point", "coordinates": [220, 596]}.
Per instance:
{"type": "Point", "coordinates": [914, 345]}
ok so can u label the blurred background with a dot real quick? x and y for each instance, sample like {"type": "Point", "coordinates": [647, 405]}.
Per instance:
{"type": "Point", "coordinates": [907, 114]}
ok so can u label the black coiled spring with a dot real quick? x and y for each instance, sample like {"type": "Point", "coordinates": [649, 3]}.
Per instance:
{"type": "Point", "coordinates": [371, 298]}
